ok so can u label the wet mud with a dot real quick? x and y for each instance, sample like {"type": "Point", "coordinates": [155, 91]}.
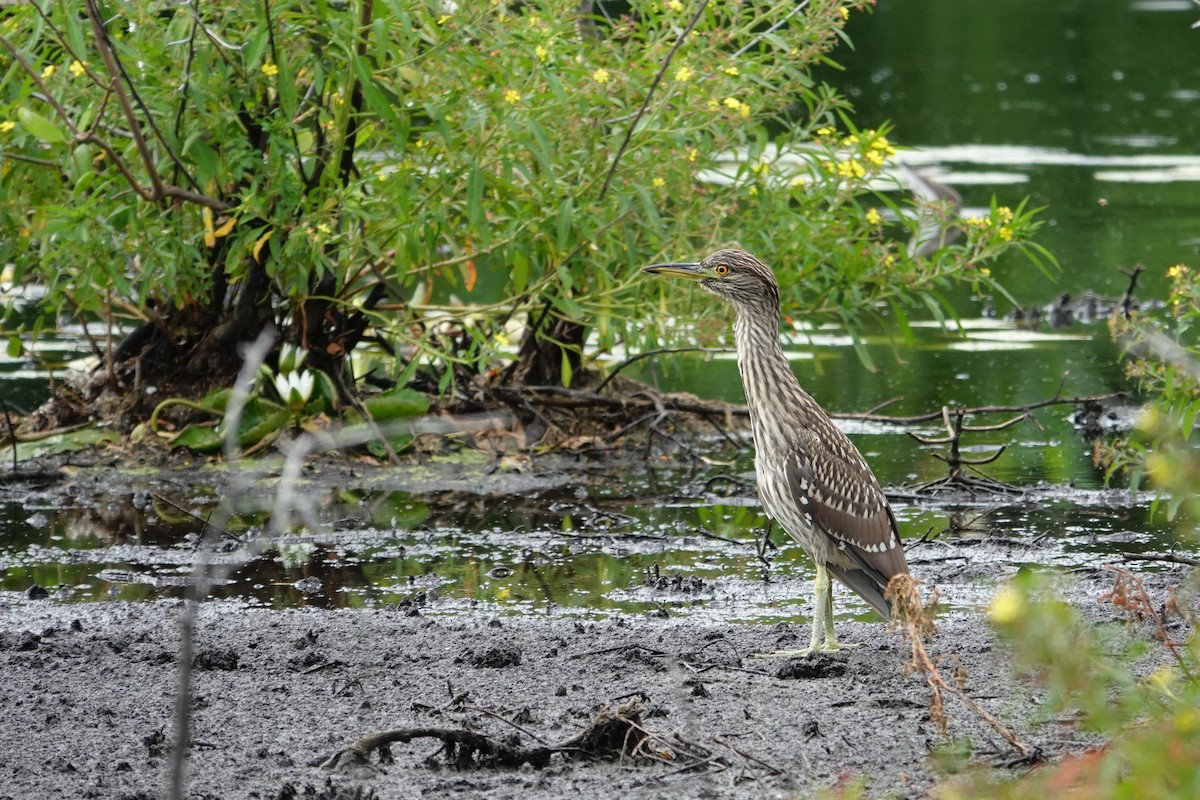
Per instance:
{"type": "Point", "coordinates": [89, 704]}
{"type": "Point", "coordinates": [413, 699]}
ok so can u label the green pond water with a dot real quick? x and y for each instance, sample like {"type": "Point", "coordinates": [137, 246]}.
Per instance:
{"type": "Point", "coordinates": [1091, 110]}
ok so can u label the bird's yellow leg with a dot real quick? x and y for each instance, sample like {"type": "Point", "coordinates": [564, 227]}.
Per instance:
{"type": "Point", "coordinates": [823, 596]}
{"type": "Point", "coordinates": [822, 622]}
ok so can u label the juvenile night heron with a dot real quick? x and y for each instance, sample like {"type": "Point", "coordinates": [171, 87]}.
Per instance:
{"type": "Point", "coordinates": [811, 478]}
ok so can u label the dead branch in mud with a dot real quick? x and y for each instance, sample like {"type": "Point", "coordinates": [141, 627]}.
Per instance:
{"type": "Point", "coordinates": [957, 463]}
{"type": "Point", "coordinates": [620, 408]}
{"type": "Point", "coordinates": [613, 734]}
{"type": "Point", "coordinates": [915, 618]}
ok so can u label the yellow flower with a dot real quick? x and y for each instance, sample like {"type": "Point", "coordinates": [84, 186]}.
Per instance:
{"type": "Point", "coordinates": [444, 18]}
{"type": "Point", "coordinates": [270, 70]}
{"type": "Point", "coordinates": [1005, 214]}
{"type": "Point", "coordinates": [540, 52]}
{"type": "Point", "coordinates": [683, 73]}
{"type": "Point", "coordinates": [1007, 607]}
{"type": "Point", "coordinates": [512, 96]}
{"type": "Point", "coordinates": [734, 104]}
{"type": "Point", "coordinates": [675, 5]}
{"type": "Point", "coordinates": [873, 216]}
{"type": "Point", "coordinates": [760, 168]}
{"type": "Point", "coordinates": [1174, 273]}
{"type": "Point", "coordinates": [875, 157]}
{"type": "Point", "coordinates": [76, 68]}
{"type": "Point", "coordinates": [7, 126]}
{"type": "Point", "coordinates": [882, 144]}
{"type": "Point", "coordinates": [985, 272]}
{"type": "Point", "coordinates": [48, 72]}
{"type": "Point", "coordinates": [753, 191]}
{"type": "Point", "coordinates": [601, 76]}
{"type": "Point", "coordinates": [658, 182]}
{"type": "Point", "coordinates": [692, 153]}
{"type": "Point", "coordinates": [731, 70]}
{"type": "Point", "coordinates": [825, 131]}
{"type": "Point", "coordinates": [845, 12]}
{"type": "Point", "coordinates": [851, 168]}
{"type": "Point", "coordinates": [1006, 233]}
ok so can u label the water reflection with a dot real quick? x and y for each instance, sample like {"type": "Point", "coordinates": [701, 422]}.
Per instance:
{"type": "Point", "coordinates": [693, 552]}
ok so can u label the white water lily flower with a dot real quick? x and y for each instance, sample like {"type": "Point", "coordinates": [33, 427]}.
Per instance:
{"type": "Point", "coordinates": [295, 388]}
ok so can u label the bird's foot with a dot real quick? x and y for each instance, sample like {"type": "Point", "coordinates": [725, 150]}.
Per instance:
{"type": "Point", "coordinates": [825, 647]}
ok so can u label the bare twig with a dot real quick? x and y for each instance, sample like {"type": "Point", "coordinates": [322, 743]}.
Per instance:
{"type": "Point", "coordinates": [612, 170]}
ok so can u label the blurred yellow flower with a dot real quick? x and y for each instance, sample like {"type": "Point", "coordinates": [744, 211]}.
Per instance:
{"type": "Point", "coordinates": [692, 153]}
{"type": "Point", "coordinates": [7, 126]}
{"type": "Point", "coordinates": [825, 131]}
{"type": "Point", "coordinates": [512, 96]}
{"type": "Point", "coordinates": [873, 216]}
{"type": "Point", "coordinates": [1005, 214]}
{"type": "Point", "coordinates": [1007, 607]}
{"type": "Point", "coordinates": [683, 74]}
{"type": "Point", "coordinates": [76, 68]}
{"type": "Point", "coordinates": [48, 72]}
{"type": "Point", "coordinates": [737, 105]}
{"type": "Point", "coordinates": [731, 70]}
{"type": "Point", "coordinates": [1006, 233]}
{"type": "Point", "coordinates": [851, 168]}
{"type": "Point", "coordinates": [675, 5]}
{"type": "Point", "coordinates": [845, 12]}
{"type": "Point", "coordinates": [540, 52]}
{"type": "Point", "coordinates": [1174, 273]}
{"type": "Point", "coordinates": [658, 182]}
{"type": "Point", "coordinates": [270, 70]}
{"type": "Point", "coordinates": [601, 76]}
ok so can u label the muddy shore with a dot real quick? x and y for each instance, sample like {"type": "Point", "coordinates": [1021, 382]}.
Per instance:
{"type": "Point", "coordinates": [87, 708]}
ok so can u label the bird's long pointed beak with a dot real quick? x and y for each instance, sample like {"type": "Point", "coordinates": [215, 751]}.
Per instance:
{"type": "Point", "coordinates": [691, 271]}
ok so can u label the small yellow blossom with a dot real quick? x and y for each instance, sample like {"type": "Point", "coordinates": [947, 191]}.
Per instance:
{"type": "Point", "coordinates": [601, 76]}
{"type": "Point", "coordinates": [875, 157]}
{"type": "Point", "coordinates": [825, 131]}
{"type": "Point", "coordinates": [731, 70]}
{"type": "Point", "coordinates": [845, 12]}
{"type": "Point", "coordinates": [1174, 273]}
{"type": "Point", "coordinates": [692, 154]}
{"type": "Point", "coordinates": [76, 68]}
{"type": "Point", "coordinates": [270, 70]}
{"type": "Point", "coordinates": [760, 168]}
{"type": "Point", "coordinates": [985, 272]}
{"type": "Point", "coordinates": [541, 53]}
{"type": "Point", "coordinates": [683, 74]}
{"type": "Point", "coordinates": [753, 191]}
{"type": "Point", "coordinates": [850, 140]}
{"type": "Point", "coordinates": [1005, 233]}
{"type": "Point", "coordinates": [675, 5]}
{"type": "Point", "coordinates": [1005, 214]}
{"type": "Point", "coordinates": [444, 18]}
{"type": "Point", "coordinates": [734, 104]}
{"type": "Point", "coordinates": [658, 182]}
{"type": "Point", "coordinates": [873, 216]}
{"type": "Point", "coordinates": [851, 168]}
{"type": "Point", "coordinates": [1007, 607]}
{"type": "Point", "coordinates": [512, 96]}
{"type": "Point", "coordinates": [889, 259]}
{"type": "Point", "coordinates": [7, 126]}
{"type": "Point", "coordinates": [48, 72]}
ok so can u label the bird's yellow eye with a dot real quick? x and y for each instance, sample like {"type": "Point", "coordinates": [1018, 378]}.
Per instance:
{"type": "Point", "coordinates": [721, 269]}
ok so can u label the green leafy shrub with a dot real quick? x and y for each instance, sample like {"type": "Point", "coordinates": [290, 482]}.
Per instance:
{"type": "Point", "coordinates": [450, 179]}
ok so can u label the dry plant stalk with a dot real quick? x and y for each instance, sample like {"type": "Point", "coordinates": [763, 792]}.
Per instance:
{"type": "Point", "coordinates": [1129, 593]}
{"type": "Point", "coordinates": [916, 621]}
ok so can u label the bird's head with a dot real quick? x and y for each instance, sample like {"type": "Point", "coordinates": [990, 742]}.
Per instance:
{"type": "Point", "coordinates": [734, 275]}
